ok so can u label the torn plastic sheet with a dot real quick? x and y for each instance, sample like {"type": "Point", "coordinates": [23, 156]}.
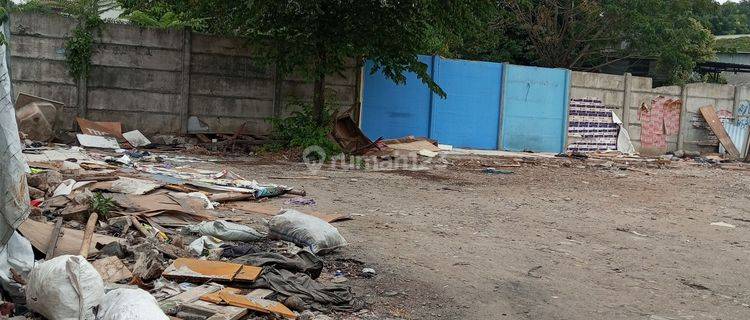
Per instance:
{"type": "Point", "coordinates": [14, 192]}
{"type": "Point", "coordinates": [624, 144]}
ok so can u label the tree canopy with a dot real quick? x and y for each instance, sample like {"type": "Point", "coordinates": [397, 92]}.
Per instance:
{"type": "Point", "coordinates": [321, 37]}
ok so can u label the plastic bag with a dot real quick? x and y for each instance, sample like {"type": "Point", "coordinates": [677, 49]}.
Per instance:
{"type": "Point", "coordinates": [198, 245]}
{"type": "Point", "coordinates": [227, 231]}
{"type": "Point", "coordinates": [305, 231]}
{"type": "Point", "coordinates": [66, 287]}
{"type": "Point", "coordinates": [14, 192]}
{"type": "Point", "coordinates": [19, 255]}
{"type": "Point", "coordinates": [129, 304]}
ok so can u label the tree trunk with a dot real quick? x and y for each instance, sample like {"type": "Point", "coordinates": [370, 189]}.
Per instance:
{"type": "Point", "coordinates": [319, 98]}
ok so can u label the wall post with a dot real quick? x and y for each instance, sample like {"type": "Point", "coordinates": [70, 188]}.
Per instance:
{"type": "Point", "coordinates": [184, 107]}
{"type": "Point", "coordinates": [683, 118]}
{"type": "Point", "coordinates": [83, 92]}
{"type": "Point", "coordinates": [627, 101]}
{"type": "Point", "coordinates": [278, 82]}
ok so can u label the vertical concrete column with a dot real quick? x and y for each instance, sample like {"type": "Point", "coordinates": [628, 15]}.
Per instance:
{"type": "Point", "coordinates": [737, 101]}
{"type": "Point", "coordinates": [627, 101]}
{"type": "Point", "coordinates": [683, 118]}
{"type": "Point", "coordinates": [82, 90]}
{"type": "Point", "coordinates": [278, 82]}
{"type": "Point", "coordinates": [184, 107]}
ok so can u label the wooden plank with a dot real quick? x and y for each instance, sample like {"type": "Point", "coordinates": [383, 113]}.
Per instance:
{"type": "Point", "coordinates": [112, 269]}
{"type": "Point", "coordinates": [259, 293]}
{"type": "Point", "coordinates": [202, 270]}
{"type": "Point", "coordinates": [88, 235]}
{"type": "Point", "coordinates": [220, 312]}
{"type": "Point", "coordinates": [54, 238]}
{"type": "Point", "coordinates": [39, 234]}
{"type": "Point", "coordinates": [709, 113]}
{"type": "Point", "coordinates": [231, 296]}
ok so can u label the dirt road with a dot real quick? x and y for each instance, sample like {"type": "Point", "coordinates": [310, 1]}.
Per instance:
{"type": "Point", "coordinates": [545, 242]}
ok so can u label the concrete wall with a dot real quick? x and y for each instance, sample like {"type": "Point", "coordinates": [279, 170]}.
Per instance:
{"type": "Point", "coordinates": [621, 92]}
{"type": "Point", "coordinates": [153, 80]}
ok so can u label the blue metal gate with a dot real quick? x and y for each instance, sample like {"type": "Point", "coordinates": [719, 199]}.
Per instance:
{"type": "Point", "coordinates": [535, 108]}
{"type": "Point", "coordinates": [470, 116]}
{"type": "Point", "coordinates": [394, 111]}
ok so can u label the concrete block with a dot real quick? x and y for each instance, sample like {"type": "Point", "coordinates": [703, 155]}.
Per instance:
{"type": "Point", "coordinates": [115, 33]}
{"type": "Point", "coordinates": [743, 93]}
{"type": "Point", "coordinates": [230, 124]}
{"type": "Point", "coordinates": [710, 90]}
{"type": "Point", "coordinates": [218, 86]}
{"type": "Point", "coordinates": [67, 94]}
{"type": "Point", "coordinates": [694, 103]}
{"type": "Point", "coordinates": [137, 57]}
{"type": "Point", "coordinates": [725, 104]}
{"type": "Point", "coordinates": [40, 48]}
{"type": "Point", "coordinates": [132, 100]}
{"type": "Point", "coordinates": [304, 91]}
{"type": "Point", "coordinates": [139, 79]}
{"type": "Point", "coordinates": [146, 122]}
{"type": "Point", "coordinates": [675, 91]}
{"type": "Point", "coordinates": [201, 43]}
{"type": "Point", "coordinates": [635, 132]}
{"type": "Point", "coordinates": [597, 80]}
{"type": "Point", "coordinates": [36, 70]}
{"type": "Point", "coordinates": [634, 116]}
{"type": "Point", "coordinates": [235, 66]}
{"type": "Point", "coordinates": [67, 118]}
{"type": "Point", "coordinates": [39, 24]}
{"type": "Point", "coordinates": [234, 107]}
{"type": "Point", "coordinates": [347, 77]}
{"type": "Point", "coordinates": [640, 83]}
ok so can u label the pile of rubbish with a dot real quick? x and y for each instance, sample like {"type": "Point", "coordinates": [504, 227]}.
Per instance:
{"type": "Point", "coordinates": [121, 230]}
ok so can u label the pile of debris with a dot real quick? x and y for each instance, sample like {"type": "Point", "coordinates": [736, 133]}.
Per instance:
{"type": "Point", "coordinates": [134, 233]}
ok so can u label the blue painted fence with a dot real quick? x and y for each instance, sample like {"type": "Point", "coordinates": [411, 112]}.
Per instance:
{"type": "Point", "coordinates": [489, 106]}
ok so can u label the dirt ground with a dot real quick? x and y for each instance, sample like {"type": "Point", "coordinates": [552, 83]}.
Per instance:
{"type": "Point", "coordinates": [546, 242]}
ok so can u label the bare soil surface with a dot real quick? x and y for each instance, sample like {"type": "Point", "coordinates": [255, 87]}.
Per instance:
{"type": "Point", "coordinates": [546, 242]}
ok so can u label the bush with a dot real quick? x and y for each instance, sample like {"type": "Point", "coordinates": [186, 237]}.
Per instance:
{"type": "Point", "coordinates": [299, 130]}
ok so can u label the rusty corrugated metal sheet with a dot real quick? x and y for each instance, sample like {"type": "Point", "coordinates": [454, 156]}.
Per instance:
{"type": "Point", "coordinates": [738, 134]}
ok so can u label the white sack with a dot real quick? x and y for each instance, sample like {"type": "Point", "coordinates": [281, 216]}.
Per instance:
{"type": "Point", "coordinates": [64, 288]}
{"type": "Point", "coordinates": [305, 231]}
{"type": "Point", "coordinates": [129, 304]}
{"type": "Point", "coordinates": [226, 231]}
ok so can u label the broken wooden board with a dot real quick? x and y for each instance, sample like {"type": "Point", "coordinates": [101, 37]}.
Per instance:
{"type": "Point", "coordinates": [219, 312]}
{"type": "Point", "coordinates": [100, 128]}
{"type": "Point", "coordinates": [189, 301]}
{"type": "Point", "coordinates": [709, 114]}
{"type": "Point", "coordinates": [39, 234]}
{"type": "Point", "coordinates": [231, 296]}
{"type": "Point", "coordinates": [112, 269]}
{"type": "Point", "coordinates": [184, 269]}
{"type": "Point", "coordinates": [414, 146]}
{"type": "Point", "coordinates": [259, 293]}
{"type": "Point", "coordinates": [164, 210]}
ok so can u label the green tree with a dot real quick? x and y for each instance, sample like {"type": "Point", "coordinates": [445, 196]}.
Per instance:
{"type": "Point", "coordinates": [317, 38]}
{"type": "Point", "coordinates": [728, 18]}
{"type": "Point", "coordinates": [588, 34]}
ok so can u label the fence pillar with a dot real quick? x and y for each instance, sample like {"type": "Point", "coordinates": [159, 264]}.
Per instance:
{"type": "Point", "coordinates": [184, 107]}
{"type": "Point", "coordinates": [683, 118]}
{"type": "Point", "coordinates": [627, 101]}
{"type": "Point", "coordinates": [278, 82]}
{"type": "Point", "coordinates": [83, 92]}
